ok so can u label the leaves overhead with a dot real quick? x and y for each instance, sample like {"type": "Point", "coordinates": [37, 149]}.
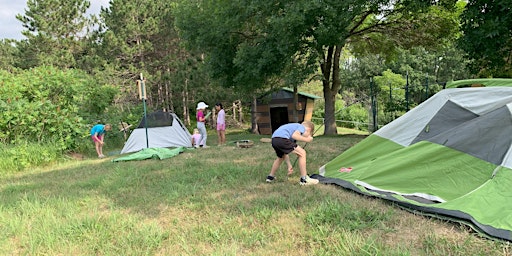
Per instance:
{"type": "Point", "coordinates": [487, 27]}
{"type": "Point", "coordinates": [250, 43]}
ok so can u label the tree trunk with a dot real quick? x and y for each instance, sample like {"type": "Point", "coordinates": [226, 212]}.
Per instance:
{"type": "Point", "coordinates": [214, 117]}
{"type": "Point", "coordinates": [168, 96]}
{"type": "Point", "coordinates": [186, 115]}
{"type": "Point", "coordinates": [254, 122]}
{"type": "Point", "coordinates": [295, 103]}
{"type": "Point", "coordinates": [160, 97]}
{"type": "Point", "coordinates": [331, 84]}
{"type": "Point", "coordinates": [329, 118]}
{"type": "Point", "coordinates": [240, 112]}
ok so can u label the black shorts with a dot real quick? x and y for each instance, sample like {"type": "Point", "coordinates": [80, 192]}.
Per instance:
{"type": "Point", "coordinates": [283, 146]}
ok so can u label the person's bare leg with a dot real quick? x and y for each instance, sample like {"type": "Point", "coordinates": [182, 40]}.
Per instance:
{"type": "Point", "coordinates": [275, 166]}
{"type": "Point", "coordinates": [301, 154]}
{"type": "Point", "coordinates": [223, 136]}
{"type": "Point", "coordinates": [305, 179]}
{"type": "Point", "coordinates": [98, 148]}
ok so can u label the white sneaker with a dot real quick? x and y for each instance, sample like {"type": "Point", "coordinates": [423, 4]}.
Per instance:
{"type": "Point", "coordinates": [308, 181]}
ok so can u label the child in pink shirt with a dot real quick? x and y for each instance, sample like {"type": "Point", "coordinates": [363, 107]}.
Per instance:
{"type": "Point", "coordinates": [201, 118]}
{"type": "Point", "coordinates": [196, 137]}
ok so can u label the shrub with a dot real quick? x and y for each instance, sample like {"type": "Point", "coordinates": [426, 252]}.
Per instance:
{"type": "Point", "coordinates": [45, 104]}
{"type": "Point", "coordinates": [25, 155]}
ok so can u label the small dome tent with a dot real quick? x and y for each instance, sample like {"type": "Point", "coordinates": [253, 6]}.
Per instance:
{"type": "Point", "coordinates": [164, 129]}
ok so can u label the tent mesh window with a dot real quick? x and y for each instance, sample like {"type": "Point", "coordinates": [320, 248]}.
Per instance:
{"type": "Point", "coordinates": [157, 119]}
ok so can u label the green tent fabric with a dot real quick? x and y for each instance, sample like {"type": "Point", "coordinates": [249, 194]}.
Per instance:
{"type": "Point", "coordinates": [151, 153]}
{"type": "Point", "coordinates": [488, 82]}
{"type": "Point", "coordinates": [449, 157]}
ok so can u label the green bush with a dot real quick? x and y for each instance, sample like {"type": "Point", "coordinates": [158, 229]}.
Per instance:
{"type": "Point", "coordinates": [358, 116]}
{"type": "Point", "coordinates": [47, 105]}
{"type": "Point", "coordinates": [25, 155]}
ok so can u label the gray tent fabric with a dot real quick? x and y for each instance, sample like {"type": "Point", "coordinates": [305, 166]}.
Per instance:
{"type": "Point", "coordinates": [169, 132]}
{"type": "Point", "coordinates": [449, 116]}
{"type": "Point", "coordinates": [486, 137]}
{"type": "Point", "coordinates": [157, 119]}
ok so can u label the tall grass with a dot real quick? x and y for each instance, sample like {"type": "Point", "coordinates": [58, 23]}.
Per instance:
{"type": "Point", "coordinates": [212, 201]}
{"type": "Point", "coordinates": [25, 155]}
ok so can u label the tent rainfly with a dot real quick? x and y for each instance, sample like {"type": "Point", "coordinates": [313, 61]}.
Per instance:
{"type": "Point", "coordinates": [164, 129]}
{"type": "Point", "coordinates": [449, 157]}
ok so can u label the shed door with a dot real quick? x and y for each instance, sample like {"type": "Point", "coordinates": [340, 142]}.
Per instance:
{"type": "Point", "coordinates": [278, 117]}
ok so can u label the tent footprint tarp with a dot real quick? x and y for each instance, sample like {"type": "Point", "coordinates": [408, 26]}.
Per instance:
{"type": "Point", "coordinates": [451, 156]}
{"type": "Point", "coordinates": [151, 153]}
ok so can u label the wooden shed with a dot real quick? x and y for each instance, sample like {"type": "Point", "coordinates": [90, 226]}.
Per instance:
{"type": "Point", "coordinates": [276, 109]}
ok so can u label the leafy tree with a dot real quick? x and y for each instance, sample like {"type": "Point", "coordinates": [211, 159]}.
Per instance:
{"type": "Point", "coordinates": [487, 27]}
{"type": "Point", "coordinates": [249, 43]}
{"type": "Point", "coordinates": [139, 37]}
{"type": "Point", "coordinates": [391, 95]}
{"type": "Point", "coordinates": [427, 69]}
{"type": "Point", "coordinates": [7, 54]}
{"type": "Point", "coordinates": [55, 31]}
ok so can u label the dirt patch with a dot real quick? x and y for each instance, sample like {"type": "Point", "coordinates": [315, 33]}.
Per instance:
{"type": "Point", "coordinates": [76, 156]}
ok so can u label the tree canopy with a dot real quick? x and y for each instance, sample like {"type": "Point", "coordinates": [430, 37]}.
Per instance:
{"type": "Point", "coordinates": [487, 27]}
{"type": "Point", "coordinates": [249, 43]}
{"type": "Point", "coordinates": [54, 32]}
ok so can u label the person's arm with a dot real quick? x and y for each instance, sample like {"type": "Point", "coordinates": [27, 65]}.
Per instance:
{"type": "Point", "coordinates": [297, 136]}
{"type": "Point", "coordinates": [102, 138]}
{"type": "Point", "coordinates": [95, 136]}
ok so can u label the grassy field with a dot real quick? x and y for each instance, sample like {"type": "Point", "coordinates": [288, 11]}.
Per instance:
{"type": "Point", "coordinates": [213, 201]}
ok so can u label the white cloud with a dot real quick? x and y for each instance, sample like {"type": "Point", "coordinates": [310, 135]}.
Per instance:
{"type": "Point", "coordinates": [11, 28]}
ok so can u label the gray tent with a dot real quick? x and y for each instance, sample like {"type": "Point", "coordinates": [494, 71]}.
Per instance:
{"type": "Point", "coordinates": [164, 130]}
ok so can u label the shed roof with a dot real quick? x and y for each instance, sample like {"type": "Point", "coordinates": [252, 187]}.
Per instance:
{"type": "Point", "coordinates": [302, 93]}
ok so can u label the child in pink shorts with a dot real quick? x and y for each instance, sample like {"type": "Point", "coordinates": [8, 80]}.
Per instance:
{"type": "Point", "coordinates": [221, 124]}
{"type": "Point", "coordinates": [97, 136]}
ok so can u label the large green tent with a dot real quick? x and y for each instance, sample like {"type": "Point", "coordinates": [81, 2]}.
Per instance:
{"type": "Point", "coordinates": [451, 157]}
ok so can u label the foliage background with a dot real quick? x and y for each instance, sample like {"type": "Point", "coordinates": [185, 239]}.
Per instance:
{"type": "Point", "coordinates": [74, 70]}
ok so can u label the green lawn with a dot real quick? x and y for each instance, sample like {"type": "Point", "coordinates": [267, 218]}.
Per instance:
{"type": "Point", "coordinates": [213, 201]}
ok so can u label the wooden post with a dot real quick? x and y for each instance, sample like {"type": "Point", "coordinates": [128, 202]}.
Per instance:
{"type": "Point", "coordinates": [234, 111]}
{"type": "Point", "coordinates": [214, 117]}
{"type": "Point", "coordinates": [240, 113]}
